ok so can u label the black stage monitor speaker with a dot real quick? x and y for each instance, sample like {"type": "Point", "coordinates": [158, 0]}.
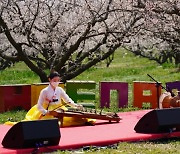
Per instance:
{"type": "Point", "coordinates": [159, 121]}
{"type": "Point", "coordinates": [34, 133]}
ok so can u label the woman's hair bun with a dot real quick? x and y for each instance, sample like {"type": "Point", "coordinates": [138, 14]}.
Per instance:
{"type": "Point", "coordinates": [53, 74]}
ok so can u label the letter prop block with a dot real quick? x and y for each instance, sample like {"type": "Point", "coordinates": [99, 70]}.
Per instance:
{"type": "Point", "coordinates": [173, 85]}
{"type": "Point", "coordinates": [74, 90]}
{"type": "Point", "coordinates": [122, 89]}
{"type": "Point", "coordinates": [140, 98]}
{"type": "Point", "coordinates": [15, 96]}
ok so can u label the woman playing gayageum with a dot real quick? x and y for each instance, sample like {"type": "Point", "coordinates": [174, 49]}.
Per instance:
{"type": "Point", "coordinates": [51, 98]}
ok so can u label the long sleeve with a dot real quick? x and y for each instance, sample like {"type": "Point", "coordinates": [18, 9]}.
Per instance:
{"type": "Point", "coordinates": [40, 103]}
{"type": "Point", "coordinates": [67, 99]}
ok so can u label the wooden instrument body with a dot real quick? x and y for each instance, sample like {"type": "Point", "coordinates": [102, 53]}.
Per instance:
{"type": "Point", "coordinates": [78, 114]}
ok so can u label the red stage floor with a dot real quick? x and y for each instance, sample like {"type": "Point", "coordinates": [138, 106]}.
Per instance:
{"type": "Point", "coordinates": [101, 134]}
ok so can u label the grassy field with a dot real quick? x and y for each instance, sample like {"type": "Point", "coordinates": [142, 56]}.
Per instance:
{"type": "Point", "coordinates": [125, 68]}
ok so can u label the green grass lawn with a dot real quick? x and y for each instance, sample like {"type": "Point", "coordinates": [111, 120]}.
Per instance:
{"type": "Point", "coordinates": [125, 68]}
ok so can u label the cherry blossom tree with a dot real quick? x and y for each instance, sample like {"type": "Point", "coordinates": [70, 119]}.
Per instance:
{"type": "Point", "coordinates": [68, 36]}
{"type": "Point", "coordinates": [159, 37]}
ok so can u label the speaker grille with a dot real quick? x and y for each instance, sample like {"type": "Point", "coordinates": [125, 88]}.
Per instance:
{"type": "Point", "coordinates": [159, 121]}
{"type": "Point", "coordinates": [33, 133]}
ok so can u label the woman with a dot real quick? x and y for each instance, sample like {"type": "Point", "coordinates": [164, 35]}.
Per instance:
{"type": "Point", "coordinates": [49, 99]}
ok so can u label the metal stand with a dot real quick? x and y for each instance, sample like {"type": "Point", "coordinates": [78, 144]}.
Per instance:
{"type": "Point", "coordinates": [157, 87]}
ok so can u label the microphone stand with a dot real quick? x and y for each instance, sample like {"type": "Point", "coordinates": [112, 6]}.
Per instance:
{"type": "Point", "coordinates": [157, 87]}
